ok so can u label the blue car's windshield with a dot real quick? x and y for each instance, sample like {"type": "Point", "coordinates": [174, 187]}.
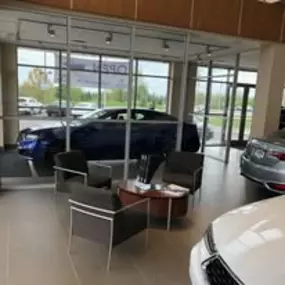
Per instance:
{"type": "Point", "coordinates": [93, 115]}
{"type": "Point", "coordinates": [97, 114]}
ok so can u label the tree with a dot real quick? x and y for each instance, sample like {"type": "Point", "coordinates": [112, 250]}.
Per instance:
{"type": "Point", "coordinates": [143, 95]}
{"type": "Point", "coordinates": [38, 86]}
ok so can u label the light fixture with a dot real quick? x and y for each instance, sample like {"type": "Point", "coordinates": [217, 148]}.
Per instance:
{"type": "Point", "coordinates": [165, 45]}
{"type": "Point", "coordinates": [199, 58]}
{"type": "Point", "coordinates": [208, 51]}
{"type": "Point", "coordinates": [270, 1]}
{"type": "Point", "coordinates": [109, 38]}
{"type": "Point", "coordinates": [50, 31]}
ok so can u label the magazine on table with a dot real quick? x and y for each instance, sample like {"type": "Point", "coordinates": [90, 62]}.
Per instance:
{"type": "Point", "coordinates": [176, 188]}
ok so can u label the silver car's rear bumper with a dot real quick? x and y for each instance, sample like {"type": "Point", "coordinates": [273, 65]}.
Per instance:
{"type": "Point", "coordinates": [262, 174]}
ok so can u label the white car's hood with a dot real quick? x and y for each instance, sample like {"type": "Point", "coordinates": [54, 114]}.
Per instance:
{"type": "Point", "coordinates": [251, 240]}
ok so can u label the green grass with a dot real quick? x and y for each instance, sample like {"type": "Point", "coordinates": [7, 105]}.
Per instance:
{"type": "Point", "coordinates": [218, 122]}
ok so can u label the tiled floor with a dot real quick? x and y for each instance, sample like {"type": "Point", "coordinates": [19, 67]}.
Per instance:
{"type": "Point", "coordinates": [33, 237]}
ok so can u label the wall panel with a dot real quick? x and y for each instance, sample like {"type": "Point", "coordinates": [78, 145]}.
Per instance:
{"type": "Point", "coordinates": [116, 8]}
{"type": "Point", "coordinates": [246, 18]}
{"type": "Point", "coordinates": [62, 4]}
{"type": "Point", "coordinates": [165, 12]}
{"type": "Point", "coordinates": [261, 21]}
{"type": "Point", "coordinates": [220, 16]}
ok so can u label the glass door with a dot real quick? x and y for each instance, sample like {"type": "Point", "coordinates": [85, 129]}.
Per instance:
{"type": "Point", "coordinates": [242, 114]}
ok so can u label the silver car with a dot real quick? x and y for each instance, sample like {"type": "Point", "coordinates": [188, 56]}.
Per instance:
{"type": "Point", "coordinates": [263, 161]}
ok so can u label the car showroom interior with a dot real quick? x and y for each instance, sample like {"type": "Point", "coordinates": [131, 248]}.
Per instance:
{"type": "Point", "coordinates": [142, 142]}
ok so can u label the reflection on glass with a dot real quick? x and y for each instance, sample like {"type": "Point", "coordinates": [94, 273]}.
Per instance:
{"type": "Point", "coordinates": [153, 68]}
{"type": "Point", "coordinates": [151, 93]}
{"type": "Point", "coordinates": [218, 98]}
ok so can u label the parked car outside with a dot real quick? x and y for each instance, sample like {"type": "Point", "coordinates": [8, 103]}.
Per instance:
{"type": "Point", "coordinates": [83, 108]}
{"type": "Point", "coordinates": [29, 106]}
{"type": "Point", "coordinates": [198, 120]}
{"type": "Point", "coordinates": [242, 247]}
{"type": "Point", "coordinates": [57, 108]}
{"type": "Point", "coordinates": [106, 140]}
{"type": "Point", "coordinates": [263, 161]}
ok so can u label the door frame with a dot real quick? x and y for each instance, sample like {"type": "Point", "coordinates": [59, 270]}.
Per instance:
{"type": "Point", "coordinates": [241, 142]}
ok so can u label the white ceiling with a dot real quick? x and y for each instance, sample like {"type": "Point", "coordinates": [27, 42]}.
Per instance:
{"type": "Point", "coordinates": [88, 35]}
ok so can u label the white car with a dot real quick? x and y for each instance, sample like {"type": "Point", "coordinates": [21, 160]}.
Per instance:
{"type": "Point", "coordinates": [83, 108]}
{"type": "Point", "coordinates": [244, 246]}
{"type": "Point", "coordinates": [29, 106]}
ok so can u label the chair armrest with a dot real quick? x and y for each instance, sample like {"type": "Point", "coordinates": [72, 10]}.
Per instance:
{"type": "Point", "coordinates": [58, 168]}
{"type": "Point", "coordinates": [102, 166]}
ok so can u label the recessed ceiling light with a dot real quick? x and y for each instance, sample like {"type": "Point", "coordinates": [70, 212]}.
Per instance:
{"type": "Point", "coordinates": [50, 31]}
{"type": "Point", "coordinates": [109, 38]}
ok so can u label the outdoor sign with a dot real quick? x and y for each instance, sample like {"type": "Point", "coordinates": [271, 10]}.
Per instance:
{"type": "Point", "coordinates": [85, 73]}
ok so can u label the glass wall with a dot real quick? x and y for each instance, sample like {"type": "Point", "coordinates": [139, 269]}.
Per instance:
{"type": "Point", "coordinates": [96, 81]}
{"type": "Point", "coordinates": [220, 85]}
{"type": "Point", "coordinates": [76, 94]}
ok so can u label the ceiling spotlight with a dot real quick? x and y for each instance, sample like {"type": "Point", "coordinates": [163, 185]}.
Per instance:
{"type": "Point", "coordinates": [199, 59]}
{"type": "Point", "coordinates": [165, 45]}
{"type": "Point", "coordinates": [109, 38]}
{"type": "Point", "coordinates": [50, 31]}
{"type": "Point", "coordinates": [208, 51]}
{"type": "Point", "coordinates": [269, 1]}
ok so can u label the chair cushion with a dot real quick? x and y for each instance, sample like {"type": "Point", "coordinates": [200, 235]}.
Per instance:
{"type": "Point", "coordinates": [95, 197]}
{"type": "Point", "coordinates": [93, 181]}
{"type": "Point", "coordinates": [99, 181]}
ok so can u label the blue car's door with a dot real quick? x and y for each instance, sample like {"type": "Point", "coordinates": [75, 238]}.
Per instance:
{"type": "Point", "coordinates": [100, 140]}
{"type": "Point", "coordinates": [149, 137]}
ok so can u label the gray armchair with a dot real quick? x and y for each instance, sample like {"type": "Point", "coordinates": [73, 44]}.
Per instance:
{"type": "Point", "coordinates": [99, 216]}
{"type": "Point", "coordinates": [184, 169]}
{"type": "Point", "coordinates": [73, 167]}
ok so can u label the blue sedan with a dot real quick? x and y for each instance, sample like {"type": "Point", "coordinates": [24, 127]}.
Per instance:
{"type": "Point", "coordinates": [100, 140]}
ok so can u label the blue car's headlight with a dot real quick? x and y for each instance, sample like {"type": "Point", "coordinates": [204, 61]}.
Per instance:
{"type": "Point", "coordinates": [31, 137]}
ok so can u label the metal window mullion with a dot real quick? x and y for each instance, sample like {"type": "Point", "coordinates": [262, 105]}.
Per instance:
{"type": "Point", "coordinates": [207, 104]}
{"type": "Point", "coordinates": [226, 107]}
{"type": "Point", "coordinates": [232, 108]}
{"type": "Point", "coordinates": [129, 105]}
{"type": "Point", "coordinates": [243, 114]}
{"type": "Point", "coordinates": [182, 94]}
{"type": "Point", "coordinates": [136, 84]}
{"type": "Point", "coordinates": [67, 139]}
{"type": "Point", "coordinates": [100, 83]}
{"type": "Point", "coordinates": [169, 84]}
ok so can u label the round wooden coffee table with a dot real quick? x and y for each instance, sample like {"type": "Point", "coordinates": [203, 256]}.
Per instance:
{"type": "Point", "coordinates": [164, 202]}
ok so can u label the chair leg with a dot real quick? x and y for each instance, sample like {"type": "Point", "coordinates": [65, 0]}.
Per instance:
{"type": "Point", "coordinates": [110, 245]}
{"type": "Point", "coordinates": [70, 231]}
{"type": "Point", "coordinates": [147, 224]}
{"type": "Point", "coordinates": [200, 194]}
{"type": "Point", "coordinates": [55, 183]}
{"type": "Point", "coordinates": [169, 214]}
{"type": "Point", "coordinates": [109, 256]}
{"type": "Point", "coordinates": [193, 201]}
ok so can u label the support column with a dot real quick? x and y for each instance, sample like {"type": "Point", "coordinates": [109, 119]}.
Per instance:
{"type": "Point", "coordinates": [1, 105]}
{"type": "Point", "coordinates": [269, 90]}
{"type": "Point", "coordinates": [10, 93]}
{"type": "Point", "coordinates": [176, 86]}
